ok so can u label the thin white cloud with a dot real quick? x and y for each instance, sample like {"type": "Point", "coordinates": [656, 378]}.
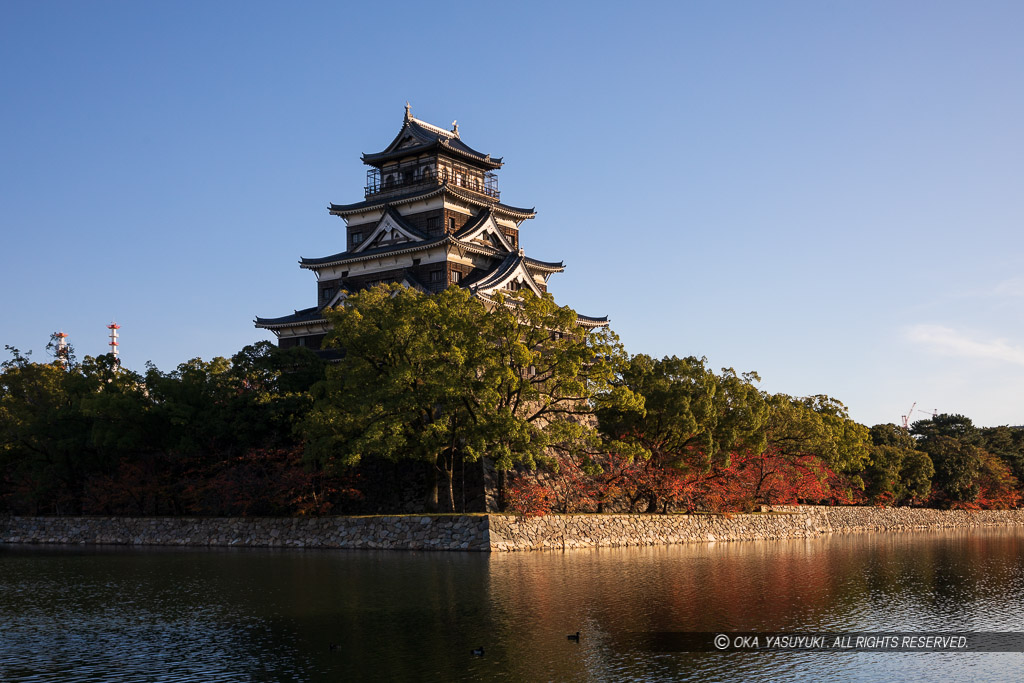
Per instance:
{"type": "Point", "coordinates": [951, 342]}
{"type": "Point", "coordinates": [1014, 286]}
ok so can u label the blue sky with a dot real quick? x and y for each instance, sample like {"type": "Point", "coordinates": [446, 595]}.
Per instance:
{"type": "Point", "coordinates": [827, 193]}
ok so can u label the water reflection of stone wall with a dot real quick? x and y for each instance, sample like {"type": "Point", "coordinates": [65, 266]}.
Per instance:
{"type": "Point", "coordinates": [491, 532]}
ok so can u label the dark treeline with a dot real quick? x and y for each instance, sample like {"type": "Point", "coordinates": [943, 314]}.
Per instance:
{"type": "Point", "coordinates": [210, 438]}
{"type": "Point", "coordinates": [430, 384]}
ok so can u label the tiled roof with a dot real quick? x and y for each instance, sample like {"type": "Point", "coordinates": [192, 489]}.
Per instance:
{"type": "Point", "coordinates": [550, 266]}
{"type": "Point", "coordinates": [473, 198]}
{"type": "Point", "coordinates": [349, 257]}
{"type": "Point", "coordinates": [427, 193]}
{"type": "Point", "coordinates": [581, 320]}
{"type": "Point", "coordinates": [305, 316]}
{"type": "Point", "coordinates": [503, 268]}
{"type": "Point", "coordinates": [395, 250]}
{"type": "Point", "coordinates": [426, 137]}
{"type": "Point", "coordinates": [590, 321]}
{"type": "Point", "coordinates": [474, 222]}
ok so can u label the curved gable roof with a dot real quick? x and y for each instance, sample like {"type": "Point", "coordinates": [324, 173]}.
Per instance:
{"type": "Point", "coordinates": [511, 269]}
{"type": "Point", "coordinates": [390, 230]}
{"type": "Point", "coordinates": [483, 227]}
{"type": "Point", "coordinates": [417, 137]}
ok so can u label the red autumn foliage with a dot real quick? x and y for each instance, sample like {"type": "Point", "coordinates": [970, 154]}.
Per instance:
{"type": "Point", "coordinates": [998, 489]}
{"type": "Point", "coordinates": [746, 481]}
{"type": "Point", "coordinates": [526, 496]}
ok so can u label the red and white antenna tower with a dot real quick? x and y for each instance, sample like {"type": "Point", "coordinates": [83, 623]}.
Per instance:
{"type": "Point", "coordinates": [62, 348]}
{"type": "Point", "coordinates": [113, 327]}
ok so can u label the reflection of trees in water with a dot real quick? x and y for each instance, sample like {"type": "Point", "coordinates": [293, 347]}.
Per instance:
{"type": "Point", "coordinates": [116, 614]}
{"type": "Point", "coordinates": [685, 588]}
{"type": "Point", "coordinates": [953, 579]}
{"type": "Point", "coordinates": [839, 582]}
{"type": "Point", "coordinates": [416, 615]}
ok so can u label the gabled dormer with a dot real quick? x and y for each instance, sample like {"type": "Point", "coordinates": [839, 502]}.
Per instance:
{"type": "Point", "coordinates": [483, 229]}
{"type": "Point", "coordinates": [511, 275]}
{"type": "Point", "coordinates": [391, 230]}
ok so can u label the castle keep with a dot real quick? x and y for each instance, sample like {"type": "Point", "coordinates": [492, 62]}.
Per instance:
{"type": "Point", "coordinates": [431, 216]}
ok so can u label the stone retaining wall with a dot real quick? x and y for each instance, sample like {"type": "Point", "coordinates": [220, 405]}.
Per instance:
{"type": "Point", "coordinates": [467, 532]}
{"type": "Point", "coordinates": [590, 531]}
{"type": "Point", "coordinates": [493, 533]}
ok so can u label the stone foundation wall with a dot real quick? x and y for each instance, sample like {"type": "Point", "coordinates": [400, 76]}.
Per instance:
{"type": "Point", "coordinates": [467, 532]}
{"type": "Point", "coordinates": [494, 533]}
{"type": "Point", "coordinates": [589, 531]}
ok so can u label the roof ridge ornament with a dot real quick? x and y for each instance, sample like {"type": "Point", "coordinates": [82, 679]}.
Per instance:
{"type": "Point", "coordinates": [408, 112]}
{"type": "Point", "coordinates": [455, 128]}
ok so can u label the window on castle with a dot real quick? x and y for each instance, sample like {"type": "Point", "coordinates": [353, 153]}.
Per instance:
{"type": "Point", "coordinates": [455, 276]}
{"type": "Point", "coordinates": [357, 237]}
{"type": "Point", "coordinates": [437, 276]}
{"type": "Point", "coordinates": [451, 224]}
{"type": "Point", "coordinates": [434, 225]}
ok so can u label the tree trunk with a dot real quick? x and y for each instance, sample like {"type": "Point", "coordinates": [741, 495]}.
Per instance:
{"type": "Point", "coordinates": [431, 502]}
{"type": "Point", "coordinates": [445, 467]}
{"type": "Point", "coordinates": [652, 503]}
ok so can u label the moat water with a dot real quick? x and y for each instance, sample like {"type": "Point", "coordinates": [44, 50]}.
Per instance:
{"type": "Point", "coordinates": [125, 614]}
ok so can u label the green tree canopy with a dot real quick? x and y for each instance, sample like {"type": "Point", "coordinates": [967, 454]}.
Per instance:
{"type": "Point", "coordinates": [898, 472]}
{"type": "Point", "coordinates": [406, 386]}
{"type": "Point", "coordinates": [954, 426]}
{"type": "Point", "coordinates": [820, 426]}
{"type": "Point", "coordinates": [691, 415]}
{"type": "Point", "coordinates": [438, 377]}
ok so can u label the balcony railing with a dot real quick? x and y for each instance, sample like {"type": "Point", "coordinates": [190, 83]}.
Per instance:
{"type": "Point", "coordinates": [378, 181]}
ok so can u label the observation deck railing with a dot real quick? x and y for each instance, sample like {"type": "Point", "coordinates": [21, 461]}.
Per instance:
{"type": "Point", "coordinates": [413, 177]}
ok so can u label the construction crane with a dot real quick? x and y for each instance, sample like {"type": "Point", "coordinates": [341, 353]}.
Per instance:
{"type": "Point", "coordinates": [910, 413]}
